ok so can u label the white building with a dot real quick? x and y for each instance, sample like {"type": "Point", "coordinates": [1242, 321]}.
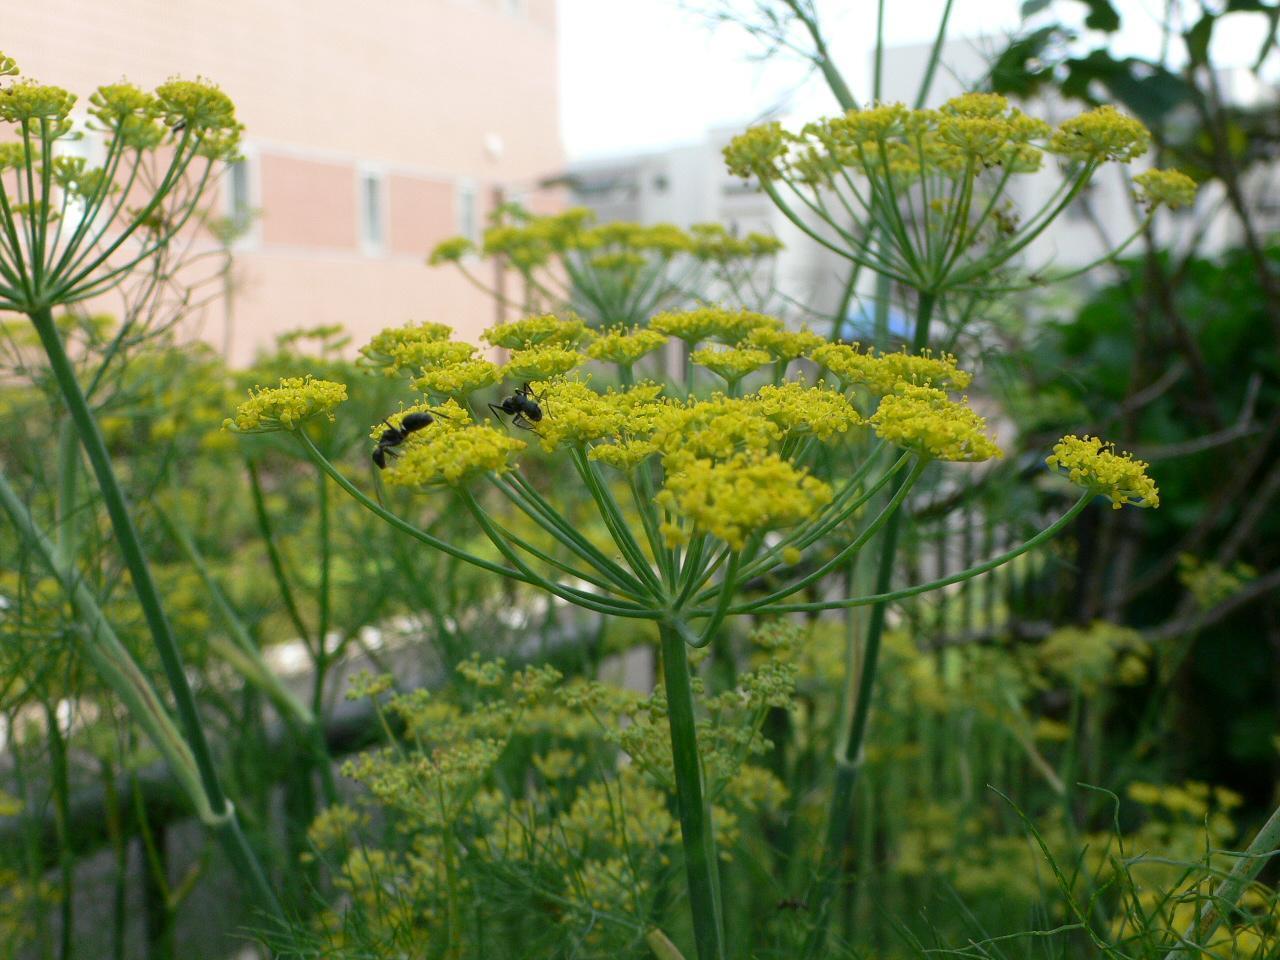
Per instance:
{"type": "Point", "coordinates": [689, 184]}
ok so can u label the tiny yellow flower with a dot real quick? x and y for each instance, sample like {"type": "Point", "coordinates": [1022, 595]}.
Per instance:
{"type": "Point", "coordinates": [287, 406]}
{"type": "Point", "coordinates": [1094, 464]}
{"type": "Point", "coordinates": [977, 105]}
{"type": "Point", "coordinates": [719, 427]}
{"type": "Point", "coordinates": [449, 412]}
{"type": "Point", "coordinates": [197, 103]}
{"type": "Point", "coordinates": [429, 354]}
{"type": "Point", "coordinates": [619, 261]}
{"type": "Point", "coordinates": [13, 156]}
{"type": "Point", "coordinates": [114, 103]}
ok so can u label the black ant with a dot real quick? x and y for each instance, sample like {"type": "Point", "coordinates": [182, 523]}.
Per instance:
{"type": "Point", "coordinates": [521, 406]}
{"type": "Point", "coordinates": [392, 437]}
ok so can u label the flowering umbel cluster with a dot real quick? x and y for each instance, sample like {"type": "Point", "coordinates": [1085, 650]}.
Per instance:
{"type": "Point", "coordinates": [71, 230]}
{"type": "Point", "coordinates": [694, 490]}
{"type": "Point", "coordinates": [933, 184]}
{"type": "Point", "coordinates": [612, 273]}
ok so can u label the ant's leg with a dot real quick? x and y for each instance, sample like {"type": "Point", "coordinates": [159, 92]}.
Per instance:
{"type": "Point", "coordinates": [538, 398]}
{"type": "Point", "coordinates": [497, 413]}
{"type": "Point", "coordinates": [524, 423]}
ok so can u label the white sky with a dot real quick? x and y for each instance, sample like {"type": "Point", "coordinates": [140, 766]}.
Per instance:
{"type": "Point", "coordinates": [641, 74]}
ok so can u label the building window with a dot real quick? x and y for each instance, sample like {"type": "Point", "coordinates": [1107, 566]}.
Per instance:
{"type": "Point", "coordinates": [373, 212]}
{"type": "Point", "coordinates": [238, 201]}
{"type": "Point", "coordinates": [468, 212]}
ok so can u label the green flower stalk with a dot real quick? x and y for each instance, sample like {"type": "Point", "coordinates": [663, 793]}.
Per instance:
{"type": "Point", "coordinates": [69, 232]}
{"type": "Point", "coordinates": [694, 496]}
{"type": "Point", "coordinates": [615, 273]}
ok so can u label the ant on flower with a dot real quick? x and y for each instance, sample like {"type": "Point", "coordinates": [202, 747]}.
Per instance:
{"type": "Point", "coordinates": [522, 406]}
{"type": "Point", "coordinates": [392, 437]}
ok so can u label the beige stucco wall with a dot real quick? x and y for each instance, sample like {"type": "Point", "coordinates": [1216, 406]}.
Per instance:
{"type": "Point", "coordinates": [428, 94]}
{"type": "Point", "coordinates": [306, 203]}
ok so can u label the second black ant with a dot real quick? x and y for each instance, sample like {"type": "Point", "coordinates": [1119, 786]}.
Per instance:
{"type": "Point", "coordinates": [392, 437]}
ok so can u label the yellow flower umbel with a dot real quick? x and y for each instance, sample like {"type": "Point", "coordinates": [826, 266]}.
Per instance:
{"type": "Point", "coordinates": [934, 186]}
{"type": "Point", "coordinates": [1165, 188]}
{"type": "Point", "coordinates": [712, 323]}
{"type": "Point", "coordinates": [542, 363]}
{"type": "Point", "coordinates": [883, 373]}
{"type": "Point", "coordinates": [449, 454]}
{"type": "Point", "coordinates": [625, 346]}
{"type": "Point", "coordinates": [784, 345]}
{"type": "Point", "coordinates": [927, 420]}
{"type": "Point", "coordinates": [732, 363]}
{"type": "Point", "coordinates": [747, 494]}
{"type": "Point", "coordinates": [1101, 134]}
{"type": "Point", "coordinates": [539, 331]}
{"type": "Point", "coordinates": [800, 409]}
{"type": "Point", "coordinates": [582, 415]}
{"type": "Point", "coordinates": [458, 380]}
{"type": "Point", "coordinates": [1094, 464]}
{"type": "Point", "coordinates": [286, 407]}
{"type": "Point", "coordinates": [393, 349]}
{"type": "Point", "coordinates": [422, 355]}
{"type": "Point", "coordinates": [612, 274]}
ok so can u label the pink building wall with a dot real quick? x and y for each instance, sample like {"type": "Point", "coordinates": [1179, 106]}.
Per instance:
{"type": "Point", "coordinates": [432, 98]}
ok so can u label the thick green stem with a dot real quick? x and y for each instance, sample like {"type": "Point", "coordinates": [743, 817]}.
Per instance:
{"type": "Point", "coordinates": [62, 826]}
{"type": "Point", "coordinates": [149, 599]}
{"type": "Point", "coordinates": [321, 665]}
{"type": "Point", "coordinates": [696, 832]}
{"type": "Point", "coordinates": [1265, 847]}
